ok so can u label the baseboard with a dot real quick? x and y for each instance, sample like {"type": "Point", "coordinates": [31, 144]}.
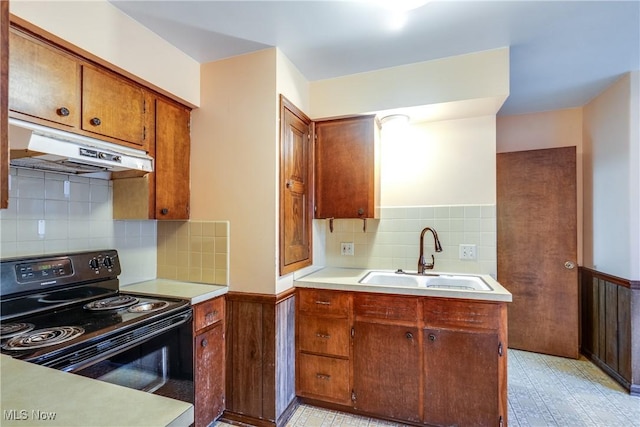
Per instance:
{"type": "Point", "coordinates": [633, 389]}
{"type": "Point", "coordinates": [245, 420]}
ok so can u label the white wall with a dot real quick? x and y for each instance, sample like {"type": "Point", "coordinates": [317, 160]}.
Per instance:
{"type": "Point", "coordinates": [476, 76]}
{"type": "Point", "coordinates": [103, 30]}
{"type": "Point", "coordinates": [612, 183]}
{"type": "Point", "coordinates": [233, 163]}
{"type": "Point", "coordinates": [449, 162]}
{"type": "Point", "coordinates": [549, 129]}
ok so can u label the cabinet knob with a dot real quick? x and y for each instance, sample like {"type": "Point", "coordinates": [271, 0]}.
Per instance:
{"type": "Point", "coordinates": [204, 342]}
{"type": "Point", "coordinates": [95, 121]}
{"type": "Point", "coordinates": [432, 337]}
{"type": "Point", "coordinates": [409, 335]}
{"type": "Point", "coordinates": [360, 212]}
{"type": "Point", "coordinates": [164, 211]}
{"type": "Point", "coordinates": [63, 111]}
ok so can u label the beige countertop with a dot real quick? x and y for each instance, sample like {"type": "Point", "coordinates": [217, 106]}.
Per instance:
{"type": "Point", "coordinates": [194, 292]}
{"type": "Point", "coordinates": [34, 395]}
{"type": "Point", "coordinates": [347, 279]}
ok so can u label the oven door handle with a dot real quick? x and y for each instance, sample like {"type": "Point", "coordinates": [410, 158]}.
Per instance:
{"type": "Point", "coordinates": [95, 353]}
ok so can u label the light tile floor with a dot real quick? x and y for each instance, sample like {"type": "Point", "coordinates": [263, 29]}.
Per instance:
{"type": "Point", "coordinates": [544, 391]}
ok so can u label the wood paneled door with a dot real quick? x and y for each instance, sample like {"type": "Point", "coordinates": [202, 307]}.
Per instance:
{"type": "Point", "coordinates": [537, 248]}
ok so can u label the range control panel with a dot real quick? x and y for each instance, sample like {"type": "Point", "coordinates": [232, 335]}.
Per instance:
{"type": "Point", "coordinates": [22, 275]}
{"type": "Point", "coordinates": [43, 270]}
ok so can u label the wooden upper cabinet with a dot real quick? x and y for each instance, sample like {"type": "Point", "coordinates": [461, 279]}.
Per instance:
{"type": "Point", "coordinates": [114, 107]}
{"type": "Point", "coordinates": [51, 86]}
{"type": "Point", "coordinates": [44, 82]}
{"type": "Point", "coordinates": [347, 167]}
{"type": "Point", "coordinates": [172, 161]}
{"type": "Point", "coordinates": [296, 188]}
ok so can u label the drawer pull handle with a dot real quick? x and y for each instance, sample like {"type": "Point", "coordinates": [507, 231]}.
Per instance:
{"type": "Point", "coordinates": [323, 377]}
{"type": "Point", "coordinates": [325, 336]}
{"type": "Point", "coordinates": [323, 302]}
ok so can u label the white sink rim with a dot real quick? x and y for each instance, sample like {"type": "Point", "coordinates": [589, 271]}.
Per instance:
{"type": "Point", "coordinates": [447, 282]}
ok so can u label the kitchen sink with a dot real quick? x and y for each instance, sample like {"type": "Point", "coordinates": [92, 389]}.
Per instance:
{"type": "Point", "coordinates": [459, 282]}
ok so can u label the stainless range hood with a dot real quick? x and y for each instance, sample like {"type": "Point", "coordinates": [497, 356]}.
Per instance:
{"type": "Point", "coordinates": [38, 147]}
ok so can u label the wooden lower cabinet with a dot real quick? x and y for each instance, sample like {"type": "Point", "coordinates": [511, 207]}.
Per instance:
{"type": "Point", "coordinates": [209, 364]}
{"type": "Point", "coordinates": [386, 370]}
{"type": "Point", "coordinates": [461, 378]}
{"type": "Point", "coordinates": [417, 360]}
{"type": "Point", "coordinates": [325, 378]}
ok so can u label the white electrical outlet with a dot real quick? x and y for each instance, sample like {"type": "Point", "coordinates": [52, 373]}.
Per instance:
{"type": "Point", "coordinates": [468, 252]}
{"type": "Point", "coordinates": [346, 248]}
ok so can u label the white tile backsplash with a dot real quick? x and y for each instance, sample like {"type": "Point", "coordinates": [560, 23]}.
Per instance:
{"type": "Point", "coordinates": [392, 241]}
{"type": "Point", "coordinates": [77, 221]}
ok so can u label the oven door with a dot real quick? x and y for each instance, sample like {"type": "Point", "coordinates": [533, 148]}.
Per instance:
{"type": "Point", "coordinates": [162, 365]}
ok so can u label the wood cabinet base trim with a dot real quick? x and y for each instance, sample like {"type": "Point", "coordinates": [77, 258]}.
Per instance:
{"type": "Point", "coordinates": [245, 420]}
{"type": "Point", "coordinates": [349, 410]}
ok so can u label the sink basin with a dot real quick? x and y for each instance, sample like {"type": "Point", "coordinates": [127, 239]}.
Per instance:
{"type": "Point", "coordinates": [435, 281]}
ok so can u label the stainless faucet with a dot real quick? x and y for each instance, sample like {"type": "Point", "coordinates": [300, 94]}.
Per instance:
{"type": "Point", "coordinates": [422, 265]}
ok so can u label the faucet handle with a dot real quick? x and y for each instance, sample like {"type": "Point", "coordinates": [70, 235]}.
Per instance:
{"type": "Point", "coordinates": [429, 266]}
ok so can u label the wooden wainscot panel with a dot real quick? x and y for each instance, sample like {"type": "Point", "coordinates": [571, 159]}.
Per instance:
{"type": "Point", "coordinates": [260, 333]}
{"type": "Point", "coordinates": [609, 319]}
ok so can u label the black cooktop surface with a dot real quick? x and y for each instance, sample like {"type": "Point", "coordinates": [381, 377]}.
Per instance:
{"type": "Point", "coordinates": [80, 325]}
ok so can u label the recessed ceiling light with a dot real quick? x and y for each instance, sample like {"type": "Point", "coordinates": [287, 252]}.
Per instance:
{"type": "Point", "coordinates": [401, 5]}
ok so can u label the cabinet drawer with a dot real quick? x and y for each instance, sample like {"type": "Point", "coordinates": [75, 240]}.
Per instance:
{"type": "Point", "coordinates": [324, 335]}
{"type": "Point", "coordinates": [320, 301]}
{"type": "Point", "coordinates": [207, 313]}
{"type": "Point", "coordinates": [461, 314]}
{"type": "Point", "coordinates": [324, 377]}
{"type": "Point", "coordinates": [386, 307]}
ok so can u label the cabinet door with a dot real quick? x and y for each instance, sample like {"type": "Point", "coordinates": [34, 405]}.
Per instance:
{"type": "Point", "coordinates": [209, 375]}
{"type": "Point", "coordinates": [296, 178]}
{"type": "Point", "coordinates": [386, 370]}
{"type": "Point", "coordinates": [43, 82]}
{"type": "Point", "coordinates": [172, 161]}
{"type": "Point", "coordinates": [113, 107]}
{"type": "Point", "coordinates": [461, 378]}
{"type": "Point", "coordinates": [346, 168]}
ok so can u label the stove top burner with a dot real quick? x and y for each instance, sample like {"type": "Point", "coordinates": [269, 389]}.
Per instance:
{"type": "Point", "coordinates": [148, 306]}
{"type": "Point", "coordinates": [112, 303]}
{"type": "Point", "coordinates": [10, 330]}
{"type": "Point", "coordinates": [43, 337]}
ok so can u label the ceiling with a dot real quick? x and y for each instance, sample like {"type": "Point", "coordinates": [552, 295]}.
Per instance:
{"type": "Point", "coordinates": [562, 53]}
